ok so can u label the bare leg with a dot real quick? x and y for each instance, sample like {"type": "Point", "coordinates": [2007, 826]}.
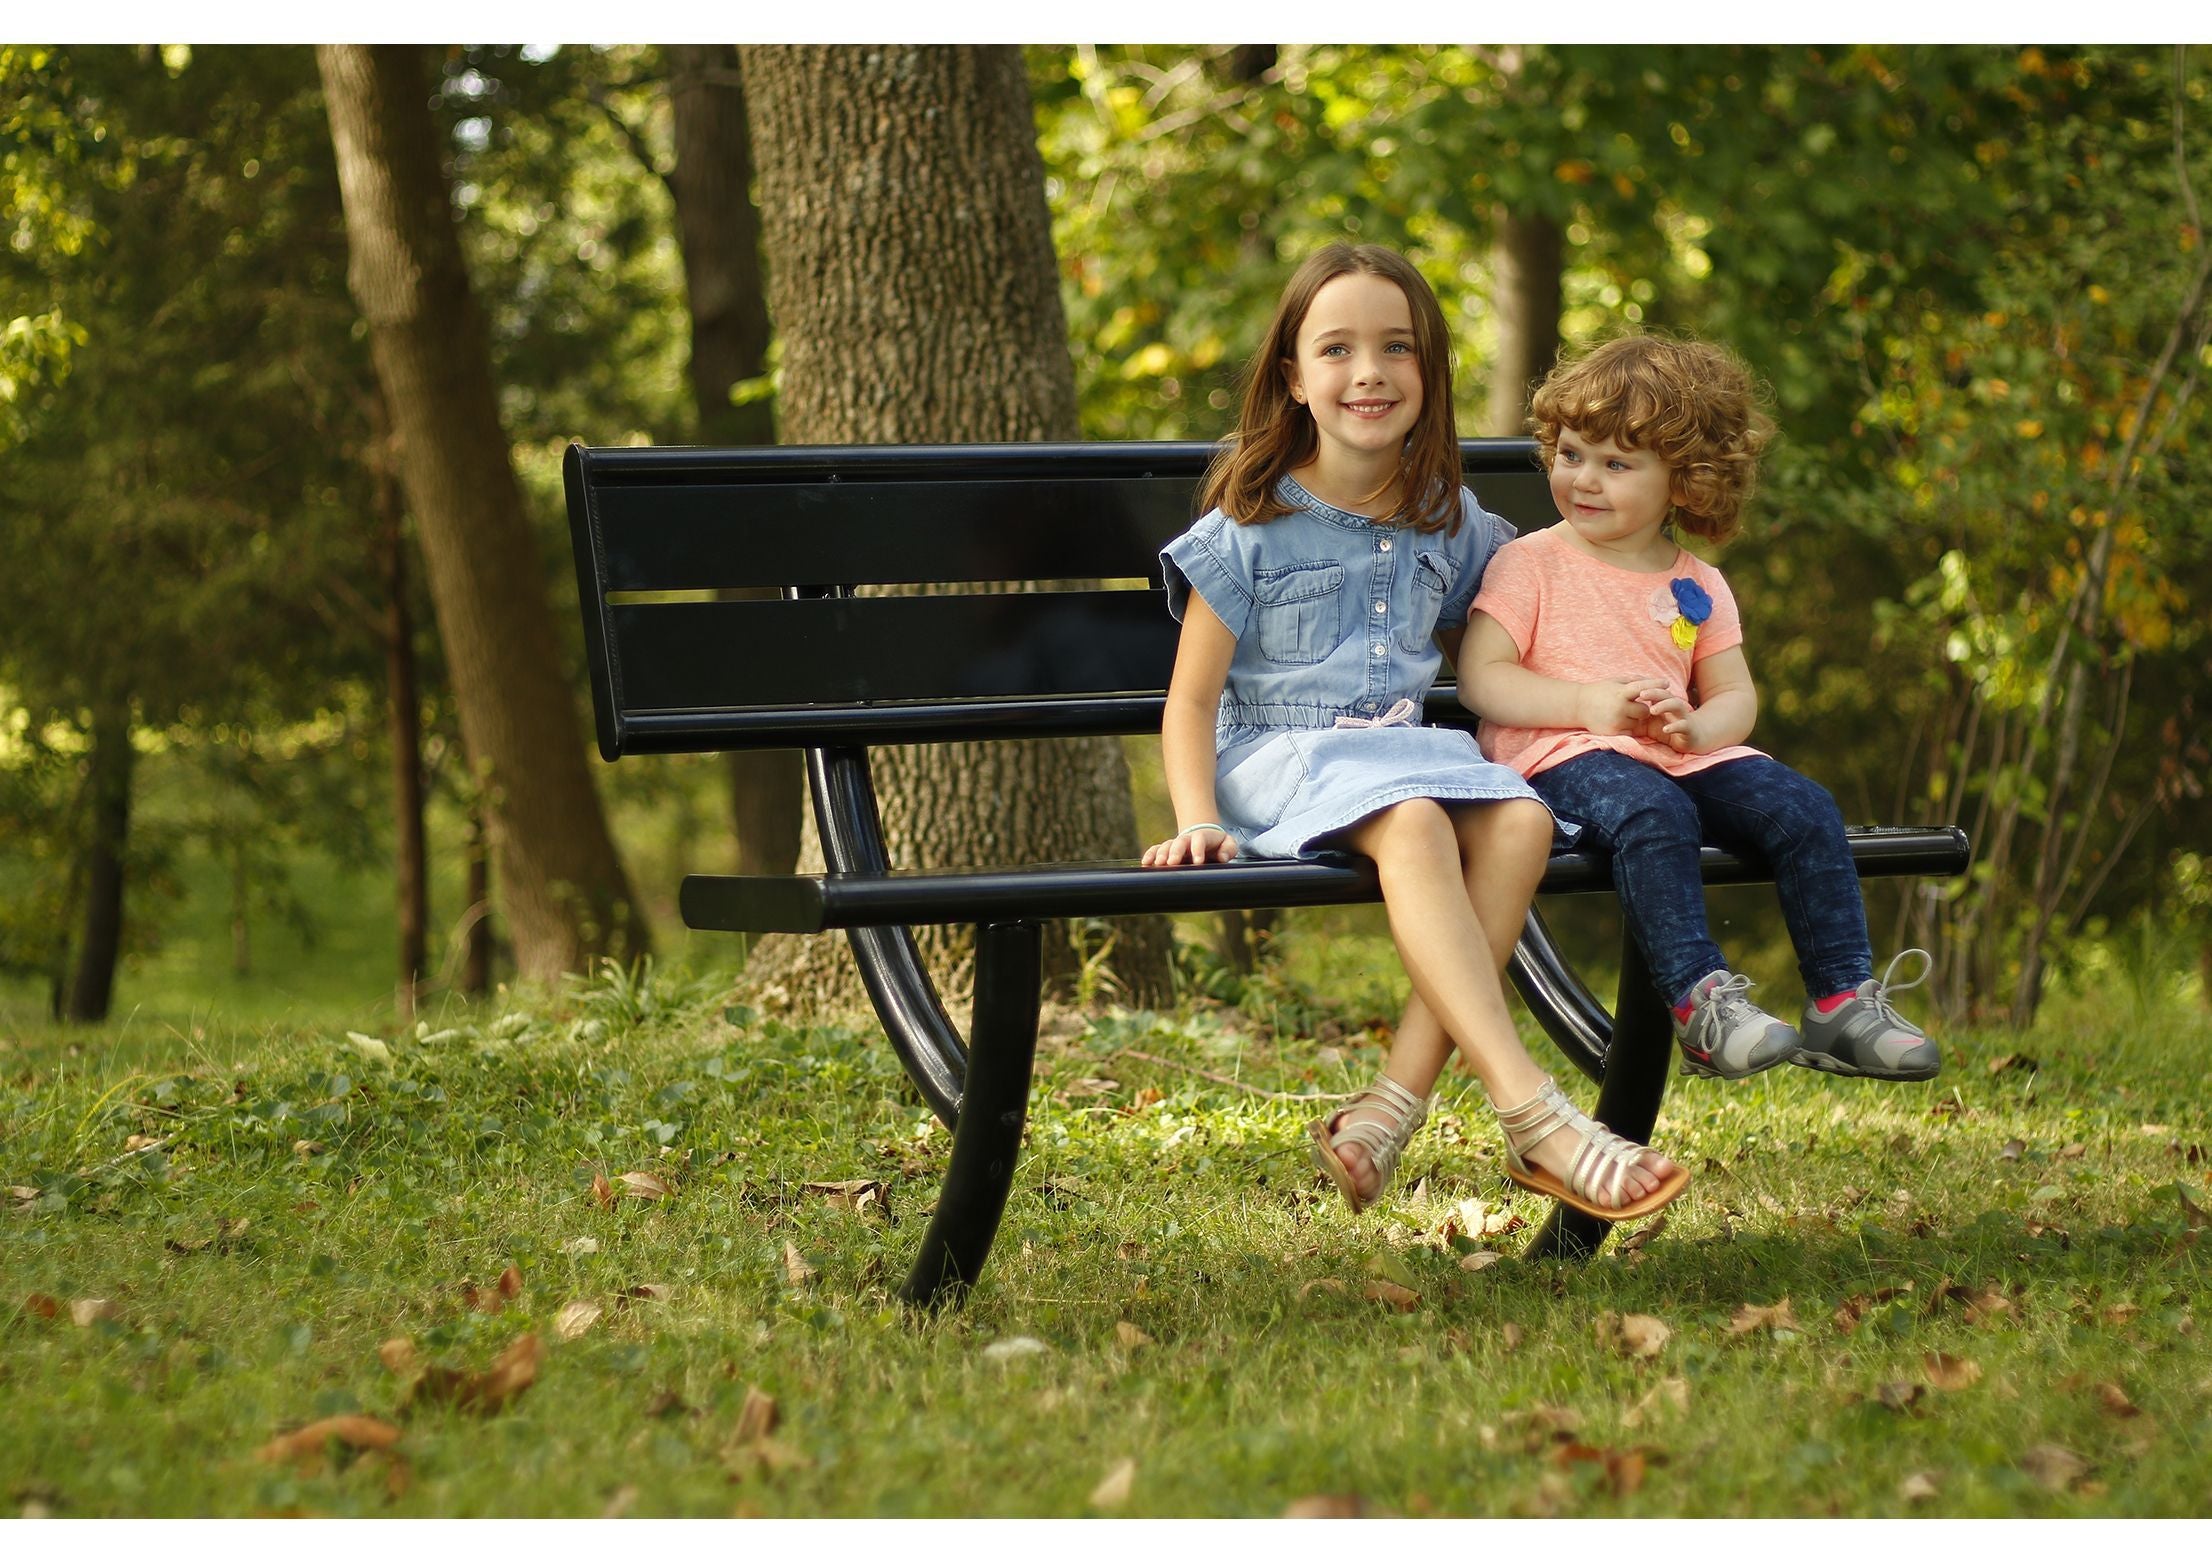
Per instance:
{"type": "Point", "coordinates": [1503, 851]}
{"type": "Point", "coordinates": [1432, 919]}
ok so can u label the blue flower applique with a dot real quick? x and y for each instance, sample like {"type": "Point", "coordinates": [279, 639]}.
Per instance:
{"type": "Point", "coordinates": [1682, 605]}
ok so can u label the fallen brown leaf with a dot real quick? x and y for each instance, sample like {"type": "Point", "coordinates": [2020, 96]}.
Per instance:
{"type": "Point", "coordinates": [511, 1373]}
{"type": "Point", "coordinates": [1321, 1284]}
{"type": "Point", "coordinates": [510, 1282]}
{"type": "Point", "coordinates": [642, 1186]}
{"type": "Point", "coordinates": [602, 1192]}
{"type": "Point", "coordinates": [306, 1148]}
{"type": "Point", "coordinates": [1645, 1234]}
{"type": "Point", "coordinates": [1114, 1488]}
{"type": "Point", "coordinates": [397, 1355]}
{"type": "Point", "coordinates": [2073, 1150]}
{"type": "Point", "coordinates": [649, 1292]}
{"type": "Point", "coordinates": [2115, 1400]}
{"type": "Point", "coordinates": [2012, 1150]}
{"type": "Point", "coordinates": [1948, 1373]}
{"type": "Point", "coordinates": [1480, 1260]}
{"type": "Point", "coordinates": [308, 1444]}
{"type": "Point", "coordinates": [1145, 1098]}
{"type": "Point", "coordinates": [1404, 1299]}
{"type": "Point", "coordinates": [1673, 1391]}
{"type": "Point", "coordinates": [2121, 1313]}
{"type": "Point", "coordinates": [1130, 1336]}
{"type": "Point", "coordinates": [1916, 1488]}
{"type": "Point", "coordinates": [1634, 1335]}
{"type": "Point", "coordinates": [1987, 1306]}
{"type": "Point", "coordinates": [1510, 1334]}
{"type": "Point", "coordinates": [1897, 1394]}
{"type": "Point", "coordinates": [576, 1318]}
{"type": "Point", "coordinates": [87, 1310]}
{"type": "Point", "coordinates": [43, 1305]}
{"type": "Point", "coordinates": [1762, 1316]}
{"type": "Point", "coordinates": [141, 1142]}
{"type": "Point", "coordinates": [1326, 1507]}
{"type": "Point", "coordinates": [757, 1418]}
{"type": "Point", "coordinates": [795, 1269]}
{"type": "Point", "coordinates": [1855, 1308]}
{"type": "Point", "coordinates": [865, 1197]}
{"type": "Point", "coordinates": [2054, 1467]}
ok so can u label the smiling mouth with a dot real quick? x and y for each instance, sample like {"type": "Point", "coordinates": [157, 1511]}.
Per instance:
{"type": "Point", "coordinates": [1368, 409]}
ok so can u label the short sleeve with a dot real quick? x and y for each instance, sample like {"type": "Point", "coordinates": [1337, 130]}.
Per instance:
{"type": "Point", "coordinates": [1724, 628]}
{"type": "Point", "coordinates": [1207, 560]}
{"type": "Point", "coordinates": [1512, 589]}
{"type": "Point", "coordinates": [1482, 535]}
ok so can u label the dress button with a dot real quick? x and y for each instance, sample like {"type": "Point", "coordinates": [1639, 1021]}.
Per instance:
{"type": "Point", "coordinates": [1382, 608]}
{"type": "Point", "coordinates": [1378, 648]}
{"type": "Point", "coordinates": [1385, 545]}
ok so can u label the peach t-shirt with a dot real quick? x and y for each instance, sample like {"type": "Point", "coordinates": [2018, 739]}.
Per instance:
{"type": "Point", "coordinates": [1576, 617]}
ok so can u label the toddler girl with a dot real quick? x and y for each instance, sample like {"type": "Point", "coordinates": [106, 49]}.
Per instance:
{"type": "Point", "coordinates": [1608, 664]}
{"type": "Point", "coordinates": [1337, 555]}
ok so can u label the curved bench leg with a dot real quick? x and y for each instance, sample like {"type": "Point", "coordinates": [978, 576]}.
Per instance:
{"type": "Point", "coordinates": [1002, 1049]}
{"type": "Point", "coordinates": [1635, 1080]}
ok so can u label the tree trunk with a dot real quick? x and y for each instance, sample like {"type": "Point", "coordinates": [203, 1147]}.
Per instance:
{"type": "Point", "coordinates": [564, 894]}
{"type": "Point", "coordinates": [912, 280]}
{"type": "Point", "coordinates": [1525, 260]}
{"type": "Point", "coordinates": [476, 936]}
{"type": "Point", "coordinates": [403, 697]}
{"type": "Point", "coordinates": [241, 898]}
{"type": "Point", "coordinates": [108, 786]}
{"type": "Point", "coordinates": [720, 228]}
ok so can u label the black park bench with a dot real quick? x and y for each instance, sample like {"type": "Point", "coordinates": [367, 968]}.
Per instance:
{"type": "Point", "coordinates": [661, 533]}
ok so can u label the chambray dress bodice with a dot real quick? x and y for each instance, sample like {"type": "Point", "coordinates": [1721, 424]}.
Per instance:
{"type": "Point", "coordinates": [1335, 617]}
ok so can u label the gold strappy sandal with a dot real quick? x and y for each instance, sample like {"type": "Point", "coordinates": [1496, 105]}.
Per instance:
{"type": "Point", "coordinates": [1384, 1142]}
{"type": "Point", "coordinates": [1601, 1167]}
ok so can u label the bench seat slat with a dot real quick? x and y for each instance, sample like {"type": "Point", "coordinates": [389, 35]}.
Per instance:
{"type": "Point", "coordinates": [809, 904]}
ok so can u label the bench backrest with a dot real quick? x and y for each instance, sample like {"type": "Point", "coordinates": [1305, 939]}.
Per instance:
{"type": "Point", "coordinates": [1066, 630]}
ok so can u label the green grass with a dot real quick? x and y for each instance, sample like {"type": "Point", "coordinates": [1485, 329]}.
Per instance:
{"type": "Point", "coordinates": [373, 1192]}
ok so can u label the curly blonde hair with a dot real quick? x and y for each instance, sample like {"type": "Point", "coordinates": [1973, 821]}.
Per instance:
{"type": "Point", "coordinates": [1694, 405]}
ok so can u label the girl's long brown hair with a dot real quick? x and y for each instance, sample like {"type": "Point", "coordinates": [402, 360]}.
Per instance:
{"type": "Point", "coordinates": [1275, 433]}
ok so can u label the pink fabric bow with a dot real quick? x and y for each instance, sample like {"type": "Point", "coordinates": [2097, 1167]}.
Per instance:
{"type": "Point", "coordinates": [1399, 716]}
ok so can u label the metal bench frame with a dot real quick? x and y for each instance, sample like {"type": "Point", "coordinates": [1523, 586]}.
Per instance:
{"type": "Point", "coordinates": [661, 533]}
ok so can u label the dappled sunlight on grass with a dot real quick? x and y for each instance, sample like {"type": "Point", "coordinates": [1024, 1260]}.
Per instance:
{"type": "Point", "coordinates": [1992, 1281]}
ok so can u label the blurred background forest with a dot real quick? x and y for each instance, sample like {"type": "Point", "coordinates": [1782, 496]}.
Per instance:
{"type": "Point", "coordinates": [235, 744]}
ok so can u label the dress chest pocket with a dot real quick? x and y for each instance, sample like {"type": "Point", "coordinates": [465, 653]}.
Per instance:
{"type": "Point", "coordinates": [1434, 573]}
{"type": "Point", "coordinates": [1299, 611]}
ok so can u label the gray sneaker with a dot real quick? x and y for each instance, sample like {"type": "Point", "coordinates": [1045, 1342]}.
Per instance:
{"type": "Point", "coordinates": [1727, 1036]}
{"type": "Point", "coordinates": [1865, 1036]}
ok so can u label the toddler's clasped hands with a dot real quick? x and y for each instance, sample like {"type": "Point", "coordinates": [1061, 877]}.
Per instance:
{"type": "Point", "coordinates": [1642, 708]}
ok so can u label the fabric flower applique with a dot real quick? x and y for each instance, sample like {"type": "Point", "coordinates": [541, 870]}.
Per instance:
{"type": "Point", "coordinates": [1681, 605]}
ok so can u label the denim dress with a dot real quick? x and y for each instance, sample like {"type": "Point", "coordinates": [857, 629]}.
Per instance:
{"type": "Point", "coordinates": [1335, 618]}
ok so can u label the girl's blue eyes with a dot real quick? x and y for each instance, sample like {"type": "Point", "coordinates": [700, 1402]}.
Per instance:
{"type": "Point", "coordinates": [1394, 347]}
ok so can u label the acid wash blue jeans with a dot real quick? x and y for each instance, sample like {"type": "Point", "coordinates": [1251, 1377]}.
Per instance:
{"type": "Point", "coordinates": [1653, 824]}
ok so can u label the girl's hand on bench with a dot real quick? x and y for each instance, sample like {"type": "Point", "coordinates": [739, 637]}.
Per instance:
{"type": "Point", "coordinates": [1200, 844]}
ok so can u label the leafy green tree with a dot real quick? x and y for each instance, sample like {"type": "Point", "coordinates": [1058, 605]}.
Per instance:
{"type": "Point", "coordinates": [167, 506]}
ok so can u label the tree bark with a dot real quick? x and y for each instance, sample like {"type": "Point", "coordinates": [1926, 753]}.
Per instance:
{"type": "Point", "coordinates": [476, 935]}
{"type": "Point", "coordinates": [912, 279]}
{"type": "Point", "coordinates": [108, 789]}
{"type": "Point", "coordinates": [720, 232]}
{"type": "Point", "coordinates": [1525, 260]}
{"type": "Point", "coordinates": [403, 697]}
{"type": "Point", "coordinates": [564, 893]}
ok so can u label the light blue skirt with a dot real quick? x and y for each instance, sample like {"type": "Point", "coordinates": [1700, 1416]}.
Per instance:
{"type": "Point", "coordinates": [1281, 792]}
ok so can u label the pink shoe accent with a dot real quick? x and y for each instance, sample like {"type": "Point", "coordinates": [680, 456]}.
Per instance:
{"type": "Point", "coordinates": [1835, 1002]}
